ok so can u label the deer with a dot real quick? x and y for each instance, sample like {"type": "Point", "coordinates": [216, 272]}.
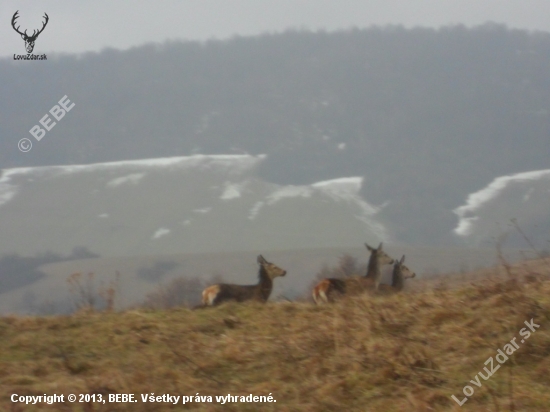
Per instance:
{"type": "Point", "coordinates": [223, 292]}
{"type": "Point", "coordinates": [400, 273]}
{"type": "Point", "coordinates": [323, 291]}
{"type": "Point", "coordinates": [29, 40]}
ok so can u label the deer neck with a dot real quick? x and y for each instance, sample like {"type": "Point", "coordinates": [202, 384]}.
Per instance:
{"type": "Point", "coordinates": [265, 285]}
{"type": "Point", "coordinates": [373, 268]}
{"type": "Point", "coordinates": [397, 279]}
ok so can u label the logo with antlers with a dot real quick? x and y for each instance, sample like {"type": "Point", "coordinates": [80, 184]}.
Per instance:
{"type": "Point", "coordinates": [29, 40]}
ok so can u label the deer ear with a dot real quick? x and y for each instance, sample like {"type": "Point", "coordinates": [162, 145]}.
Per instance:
{"type": "Point", "coordinates": [261, 259]}
{"type": "Point", "coordinates": [402, 259]}
{"type": "Point", "coordinates": [370, 249]}
{"type": "Point", "coordinates": [23, 36]}
{"type": "Point", "coordinates": [380, 246]}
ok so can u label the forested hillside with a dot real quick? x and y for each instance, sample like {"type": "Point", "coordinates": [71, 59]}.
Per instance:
{"type": "Point", "coordinates": [426, 116]}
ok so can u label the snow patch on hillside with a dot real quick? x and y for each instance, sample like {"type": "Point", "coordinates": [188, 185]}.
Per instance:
{"type": "Point", "coordinates": [346, 189]}
{"type": "Point", "coordinates": [236, 163]}
{"type": "Point", "coordinates": [163, 231]}
{"type": "Point", "coordinates": [203, 210]}
{"type": "Point", "coordinates": [133, 178]}
{"type": "Point", "coordinates": [476, 200]}
{"type": "Point", "coordinates": [255, 210]}
{"type": "Point", "coordinates": [286, 192]}
{"type": "Point", "coordinates": [233, 190]}
{"type": "Point", "coordinates": [230, 164]}
{"type": "Point", "coordinates": [7, 190]}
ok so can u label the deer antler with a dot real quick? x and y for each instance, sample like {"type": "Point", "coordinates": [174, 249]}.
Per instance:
{"type": "Point", "coordinates": [15, 17]}
{"type": "Point", "coordinates": [43, 26]}
{"type": "Point", "coordinates": [34, 33]}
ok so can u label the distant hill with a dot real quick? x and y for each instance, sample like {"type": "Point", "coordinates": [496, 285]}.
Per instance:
{"type": "Point", "coordinates": [202, 216]}
{"type": "Point", "coordinates": [424, 116]}
{"type": "Point", "coordinates": [193, 204]}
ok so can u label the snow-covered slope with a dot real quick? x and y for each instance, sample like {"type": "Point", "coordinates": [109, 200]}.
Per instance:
{"type": "Point", "coordinates": [523, 196]}
{"type": "Point", "coordinates": [200, 203]}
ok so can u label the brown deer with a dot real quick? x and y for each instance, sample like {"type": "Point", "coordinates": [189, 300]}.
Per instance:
{"type": "Point", "coordinates": [323, 291]}
{"type": "Point", "coordinates": [222, 292]}
{"type": "Point", "coordinates": [400, 273]}
{"type": "Point", "coordinates": [29, 40]}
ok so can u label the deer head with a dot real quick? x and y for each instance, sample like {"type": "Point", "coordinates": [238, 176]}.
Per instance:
{"type": "Point", "coordinates": [272, 270]}
{"type": "Point", "coordinates": [378, 253]}
{"type": "Point", "coordinates": [29, 40]}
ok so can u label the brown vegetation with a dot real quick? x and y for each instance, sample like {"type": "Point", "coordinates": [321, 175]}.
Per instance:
{"type": "Point", "coordinates": [405, 352]}
{"type": "Point", "coordinates": [178, 292]}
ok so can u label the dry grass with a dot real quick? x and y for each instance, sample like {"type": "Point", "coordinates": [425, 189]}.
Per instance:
{"type": "Point", "coordinates": [407, 352]}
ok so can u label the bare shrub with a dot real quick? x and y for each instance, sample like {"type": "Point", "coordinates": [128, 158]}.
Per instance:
{"type": "Point", "coordinates": [157, 271]}
{"type": "Point", "coordinates": [82, 290]}
{"type": "Point", "coordinates": [347, 266]}
{"type": "Point", "coordinates": [86, 295]}
{"type": "Point", "coordinates": [178, 292]}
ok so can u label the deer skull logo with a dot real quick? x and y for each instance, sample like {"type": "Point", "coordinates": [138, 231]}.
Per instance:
{"type": "Point", "coordinates": [29, 40]}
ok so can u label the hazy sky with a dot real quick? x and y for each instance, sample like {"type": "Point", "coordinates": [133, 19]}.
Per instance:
{"type": "Point", "coordinates": [78, 26]}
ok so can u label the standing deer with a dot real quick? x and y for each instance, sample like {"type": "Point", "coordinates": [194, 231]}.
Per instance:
{"type": "Point", "coordinates": [222, 292]}
{"type": "Point", "coordinates": [325, 288]}
{"type": "Point", "coordinates": [400, 273]}
{"type": "Point", "coordinates": [29, 40]}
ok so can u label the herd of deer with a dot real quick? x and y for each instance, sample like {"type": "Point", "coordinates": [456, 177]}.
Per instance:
{"type": "Point", "coordinates": [325, 291]}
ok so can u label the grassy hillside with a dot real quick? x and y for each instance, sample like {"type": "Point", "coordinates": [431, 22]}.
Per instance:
{"type": "Point", "coordinates": [407, 352]}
